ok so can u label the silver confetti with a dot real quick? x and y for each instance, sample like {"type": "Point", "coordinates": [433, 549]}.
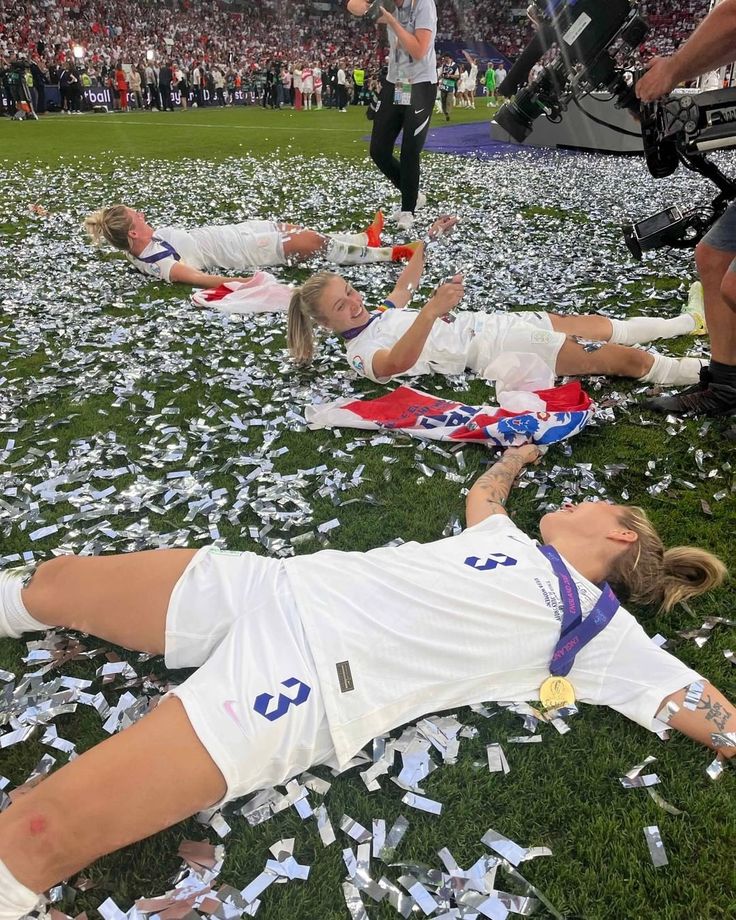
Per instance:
{"type": "Point", "coordinates": [656, 847]}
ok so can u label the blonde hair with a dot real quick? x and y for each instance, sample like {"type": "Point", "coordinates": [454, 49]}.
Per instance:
{"type": "Point", "coordinates": [112, 224]}
{"type": "Point", "coordinates": [304, 310]}
{"type": "Point", "coordinates": [647, 573]}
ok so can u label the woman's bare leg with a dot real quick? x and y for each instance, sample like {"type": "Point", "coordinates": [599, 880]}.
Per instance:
{"type": "Point", "coordinates": [123, 599]}
{"type": "Point", "coordinates": [609, 360]}
{"type": "Point", "coordinates": [150, 776]}
{"type": "Point", "coordinates": [596, 328]}
{"type": "Point", "coordinates": [624, 361]}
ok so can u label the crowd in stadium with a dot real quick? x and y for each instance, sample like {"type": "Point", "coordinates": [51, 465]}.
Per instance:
{"type": "Point", "coordinates": [142, 51]}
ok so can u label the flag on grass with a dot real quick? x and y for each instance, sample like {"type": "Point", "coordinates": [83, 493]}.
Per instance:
{"type": "Point", "coordinates": [260, 294]}
{"type": "Point", "coordinates": [568, 409]}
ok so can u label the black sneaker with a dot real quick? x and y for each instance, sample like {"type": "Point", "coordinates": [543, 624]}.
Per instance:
{"type": "Point", "coordinates": [712, 399]}
{"type": "Point", "coordinates": [664, 403]}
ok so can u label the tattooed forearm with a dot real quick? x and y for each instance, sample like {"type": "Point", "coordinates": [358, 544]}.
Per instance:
{"type": "Point", "coordinates": [715, 712]}
{"type": "Point", "coordinates": [495, 484]}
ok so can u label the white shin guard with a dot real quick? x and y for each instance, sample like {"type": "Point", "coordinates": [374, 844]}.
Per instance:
{"type": "Point", "coordinates": [15, 899]}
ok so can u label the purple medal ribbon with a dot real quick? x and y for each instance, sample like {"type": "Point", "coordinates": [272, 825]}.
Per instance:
{"type": "Point", "coordinates": [353, 333]}
{"type": "Point", "coordinates": [576, 633]}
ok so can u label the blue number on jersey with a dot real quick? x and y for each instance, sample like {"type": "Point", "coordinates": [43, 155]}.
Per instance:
{"type": "Point", "coordinates": [263, 700]}
{"type": "Point", "coordinates": [490, 562]}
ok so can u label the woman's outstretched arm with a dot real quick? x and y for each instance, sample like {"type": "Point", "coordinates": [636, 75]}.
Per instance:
{"type": "Point", "coordinates": [404, 354]}
{"type": "Point", "coordinates": [408, 281]}
{"type": "Point", "coordinates": [713, 714]}
{"type": "Point", "coordinates": [489, 492]}
{"type": "Point", "coordinates": [181, 273]}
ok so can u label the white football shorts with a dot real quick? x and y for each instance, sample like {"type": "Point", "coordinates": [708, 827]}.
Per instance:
{"type": "Point", "coordinates": [525, 332]}
{"type": "Point", "coordinates": [262, 243]}
{"type": "Point", "coordinates": [254, 700]}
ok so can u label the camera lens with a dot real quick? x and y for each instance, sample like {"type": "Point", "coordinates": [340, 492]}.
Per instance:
{"type": "Point", "coordinates": [514, 122]}
{"type": "Point", "coordinates": [516, 117]}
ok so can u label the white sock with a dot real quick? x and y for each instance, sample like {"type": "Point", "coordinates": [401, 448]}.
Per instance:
{"type": "Point", "coordinates": [673, 371]}
{"type": "Point", "coordinates": [344, 253]}
{"type": "Point", "coordinates": [14, 618]}
{"type": "Point", "coordinates": [15, 899]}
{"type": "Point", "coordinates": [642, 329]}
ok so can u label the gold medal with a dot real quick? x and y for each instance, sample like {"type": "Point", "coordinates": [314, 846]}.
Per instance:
{"type": "Point", "coordinates": [556, 692]}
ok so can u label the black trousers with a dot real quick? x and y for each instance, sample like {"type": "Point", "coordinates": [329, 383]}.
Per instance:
{"type": "Point", "coordinates": [164, 91]}
{"type": "Point", "coordinates": [444, 96]}
{"type": "Point", "coordinates": [414, 121]}
{"type": "Point", "coordinates": [342, 96]}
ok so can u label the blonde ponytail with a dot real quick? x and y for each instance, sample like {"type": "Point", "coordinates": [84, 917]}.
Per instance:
{"type": "Point", "coordinates": [648, 574]}
{"type": "Point", "coordinates": [689, 571]}
{"type": "Point", "coordinates": [111, 224]}
{"type": "Point", "coordinates": [304, 309]}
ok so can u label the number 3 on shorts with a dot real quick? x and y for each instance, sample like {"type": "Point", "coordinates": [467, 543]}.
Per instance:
{"type": "Point", "coordinates": [263, 700]}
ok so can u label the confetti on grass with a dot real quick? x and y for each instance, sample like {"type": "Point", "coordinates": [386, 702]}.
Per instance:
{"type": "Point", "coordinates": [122, 452]}
{"type": "Point", "coordinates": [656, 847]}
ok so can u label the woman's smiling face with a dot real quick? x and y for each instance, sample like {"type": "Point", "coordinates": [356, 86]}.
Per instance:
{"type": "Point", "coordinates": [341, 307]}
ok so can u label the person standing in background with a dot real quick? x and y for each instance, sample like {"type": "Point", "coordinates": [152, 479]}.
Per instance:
{"type": "Point", "coordinates": [122, 86]}
{"type": "Point", "coordinates": [317, 75]}
{"type": "Point", "coordinates": [449, 78]}
{"type": "Point", "coordinates": [134, 85]}
{"type": "Point", "coordinates": [500, 75]}
{"type": "Point", "coordinates": [358, 81]}
{"type": "Point", "coordinates": [307, 85]}
{"type": "Point", "coordinates": [297, 86]}
{"type": "Point", "coordinates": [197, 84]}
{"type": "Point", "coordinates": [165, 79]}
{"type": "Point", "coordinates": [490, 81]}
{"type": "Point", "coordinates": [180, 78]}
{"type": "Point", "coordinates": [287, 81]}
{"type": "Point", "coordinates": [342, 87]}
{"type": "Point", "coordinates": [152, 88]}
{"type": "Point", "coordinates": [471, 80]}
{"type": "Point", "coordinates": [407, 97]}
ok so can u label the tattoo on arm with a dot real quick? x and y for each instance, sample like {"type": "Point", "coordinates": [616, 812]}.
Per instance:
{"type": "Point", "coordinates": [496, 482]}
{"type": "Point", "coordinates": [715, 712]}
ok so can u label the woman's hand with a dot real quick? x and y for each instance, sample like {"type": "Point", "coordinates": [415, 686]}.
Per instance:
{"type": "Point", "coordinates": [358, 7]}
{"type": "Point", "coordinates": [446, 297]}
{"type": "Point", "coordinates": [386, 18]}
{"type": "Point", "coordinates": [444, 224]}
{"type": "Point", "coordinates": [525, 454]}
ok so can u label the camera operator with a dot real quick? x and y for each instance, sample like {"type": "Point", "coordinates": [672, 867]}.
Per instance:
{"type": "Point", "coordinates": [710, 46]}
{"type": "Point", "coordinates": [407, 97]}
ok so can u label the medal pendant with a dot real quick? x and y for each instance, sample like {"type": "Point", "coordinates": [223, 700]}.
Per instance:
{"type": "Point", "coordinates": [556, 692]}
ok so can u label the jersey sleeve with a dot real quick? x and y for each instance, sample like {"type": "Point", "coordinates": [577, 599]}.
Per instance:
{"type": "Point", "coordinates": [499, 523]}
{"type": "Point", "coordinates": [640, 675]}
{"type": "Point", "coordinates": [156, 260]}
{"type": "Point", "coordinates": [362, 350]}
{"type": "Point", "coordinates": [425, 16]}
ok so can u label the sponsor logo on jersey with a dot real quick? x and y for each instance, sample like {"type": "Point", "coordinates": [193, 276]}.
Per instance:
{"type": "Point", "coordinates": [345, 676]}
{"type": "Point", "coordinates": [490, 562]}
{"type": "Point", "coordinates": [358, 364]}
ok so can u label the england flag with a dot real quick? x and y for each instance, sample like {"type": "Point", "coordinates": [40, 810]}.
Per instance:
{"type": "Point", "coordinates": [567, 410]}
